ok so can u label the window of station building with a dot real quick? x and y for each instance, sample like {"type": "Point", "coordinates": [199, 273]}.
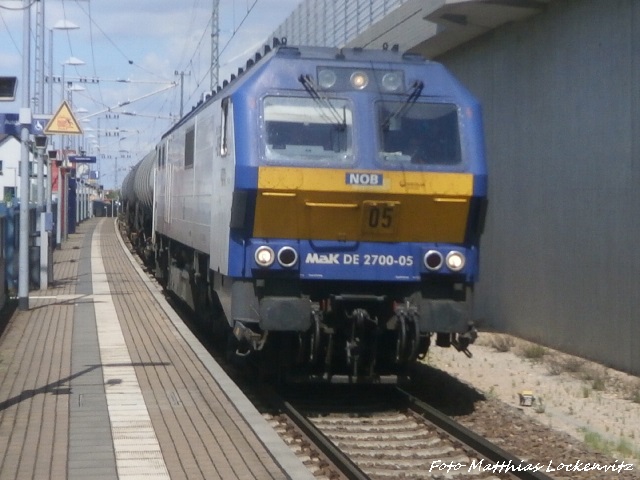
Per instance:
{"type": "Point", "coordinates": [307, 130]}
{"type": "Point", "coordinates": [1, 169]}
{"type": "Point", "coordinates": [189, 147]}
{"type": "Point", "coordinates": [419, 133]}
{"type": "Point", "coordinates": [9, 193]}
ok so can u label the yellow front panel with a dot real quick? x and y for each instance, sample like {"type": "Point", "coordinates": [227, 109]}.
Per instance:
{"type": "Point", "coordinates": [319, 204]}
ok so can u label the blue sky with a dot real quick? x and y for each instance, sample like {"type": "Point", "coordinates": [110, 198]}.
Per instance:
{"type": "Point", "coordinates": [144, 42]}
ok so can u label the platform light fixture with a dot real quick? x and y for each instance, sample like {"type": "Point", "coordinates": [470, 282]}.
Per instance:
{"type": "Point", "coordinates": [8, 89]}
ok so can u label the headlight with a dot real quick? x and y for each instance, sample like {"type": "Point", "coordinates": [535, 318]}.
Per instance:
{"type": "Point", "coordinates": [359, 80]}
{"type": "Point", "coordinates": [264, 256]}
{"type": "Point", "coordinates": [433, 260]}
{"type": "Point", "coordinates": [287, 257]}
{"type": "Point", "coordinates": [455, 261]}
{"type": "Point", "coordinates": [391, 82]}
{"type": "Point", "coordinates": [327, 78]}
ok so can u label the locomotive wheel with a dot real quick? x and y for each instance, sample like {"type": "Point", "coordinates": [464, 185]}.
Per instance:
{"type": "Point", "coordinates": [401, 339]}
{"type": "Point", "coordinates": [315, 340]}
{"type": "Point", "coordinates": [414, 341]}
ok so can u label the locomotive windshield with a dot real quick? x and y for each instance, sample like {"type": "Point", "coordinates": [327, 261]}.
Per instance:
{"type": "Point", "coordinates": [419, 133]}
{"type": "Point", "coordinates": [307, 129]}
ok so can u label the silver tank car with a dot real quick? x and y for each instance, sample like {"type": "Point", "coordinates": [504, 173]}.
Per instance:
{"type": "Point", "coordinates": [127, 194]}
{"type": "Point", "coordinates": [143, 182]}
{"type": "Point", "coordinates": [137, 198]}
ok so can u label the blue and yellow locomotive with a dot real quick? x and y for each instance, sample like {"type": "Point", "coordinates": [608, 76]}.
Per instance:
{"type": "Point", "coordinates": [325, 206]}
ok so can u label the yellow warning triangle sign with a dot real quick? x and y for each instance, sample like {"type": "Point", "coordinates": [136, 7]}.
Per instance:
{"type": "Point", "coordinates": [63, 122]}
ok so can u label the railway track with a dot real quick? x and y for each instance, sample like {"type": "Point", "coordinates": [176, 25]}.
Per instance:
{"type": "Point", "coordinates": [360, 432]}
{"type": "Point", "coordinates": [392, 435]}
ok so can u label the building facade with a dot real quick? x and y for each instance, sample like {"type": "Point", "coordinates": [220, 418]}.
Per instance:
{"type": "Point", "coordinates": [10, 155]}
{"type": "Point", "coordinates": [558, 80]}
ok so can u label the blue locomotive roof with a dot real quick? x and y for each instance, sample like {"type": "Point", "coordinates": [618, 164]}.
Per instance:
{"type": "Point", "coordinates": [305, 53]}
{"type": "Point", "coordinates": [349, 54]}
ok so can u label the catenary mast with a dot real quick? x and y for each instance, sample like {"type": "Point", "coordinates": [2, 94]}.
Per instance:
{"type": "Point", "coordinates": [215, 64]}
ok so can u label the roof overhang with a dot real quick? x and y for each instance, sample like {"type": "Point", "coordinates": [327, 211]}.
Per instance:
{"type": "Point", "coordinates": [459, 21]}
{"type": "Point", "coordinates": [432, 27]}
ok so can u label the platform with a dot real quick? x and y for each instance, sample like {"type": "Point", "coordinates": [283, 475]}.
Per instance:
{"type": "Point", "coordinates": [100, 379]}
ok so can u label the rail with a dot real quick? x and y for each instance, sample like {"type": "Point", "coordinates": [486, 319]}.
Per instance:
{"type": "Point", "coordinates": [480, 444]}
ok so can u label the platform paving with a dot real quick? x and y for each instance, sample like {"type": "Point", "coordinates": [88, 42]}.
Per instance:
{"type": "Point", "coordinates": [99, 379]}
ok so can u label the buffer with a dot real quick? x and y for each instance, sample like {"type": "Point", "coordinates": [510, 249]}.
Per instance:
{"type": "Point", "coordinates": [63, 122]}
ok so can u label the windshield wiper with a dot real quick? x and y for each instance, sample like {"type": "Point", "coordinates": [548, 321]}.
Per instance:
{"type": "Point", "coordinates": [324, 103]}
{"type": "Point", "coordinates": [408, 103]}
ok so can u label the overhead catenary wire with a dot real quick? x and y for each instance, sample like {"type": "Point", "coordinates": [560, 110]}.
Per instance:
{"type": "Point", "coordinates": [154, 115]}
{"type": "Point", "coordinates": [132, 62]}
{"type": "Point", "coordinates": [150, 125]}
{"type": "Point", "coordinates": [129, 60]}
{"type": "Point", "coordinates": [17, 9]}
{"type": "Point", "coordinates": [93, 54]}
{"type": "Point", "coordinates": [13, 41]}
{"type": "Point", "coordinates": [250, 6]}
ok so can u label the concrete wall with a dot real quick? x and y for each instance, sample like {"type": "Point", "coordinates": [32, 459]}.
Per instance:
{"type": "Point", "coordinates": [560, 260]}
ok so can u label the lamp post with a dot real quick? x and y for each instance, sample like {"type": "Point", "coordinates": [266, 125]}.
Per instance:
{"type": "Point", "coordinates": [76, 62]}
{"type": "Point", "coordinates": [74, 88]}
{"type": "Point", "coordinates": [60, 25]}
{"type": "Point", "coordinates": [71, 89]}
{"type": "Point", "coordinates": [25, 121]}
{"type": "Point", "coordinates": [73, 61]}
{"type": "Point", "coordinates": [47, 272]}
{"type": "Point", "coordinates": [41, 148]}
{"type": "Point", "coordinates": [61, 226]}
